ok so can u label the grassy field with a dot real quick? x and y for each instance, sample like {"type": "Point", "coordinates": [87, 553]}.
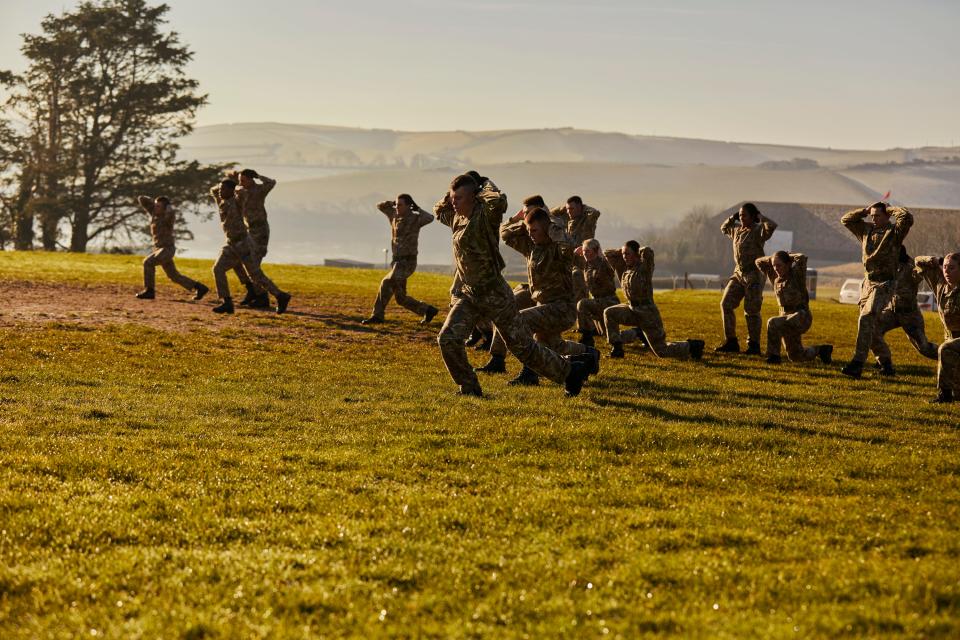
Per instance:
{"type": "Point", "coordinates": [304, 476]}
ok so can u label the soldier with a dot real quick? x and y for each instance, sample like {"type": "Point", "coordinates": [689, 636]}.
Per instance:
{"type": "Point", "coordinates": [551, 289]}
{"type": "Point", "coordinates": [746, 283]}
{"type": "Point", "coordinates": [601, 285]}
{"type": "Point", "coordinates": [787, 273]}
{"type": "Point", "coordinates": [474, 212]}
{"type": "Point", "coordinates": [162, 219]}
{"type": "Point", "coordinates": [252, 197]}
{"type": "Point", "coordinates": [405, 228]}
{"type": "Point", "coordinates": [634, 266]}
{"type": "Point", "coordinates": [581, 225]}
{"type": "Point", "coordinates": [239, 249]}
{"type": "Point", "coordinates": [881, 240]}
{"type": "Point", "coordinates": [943, 276]}
{"type": "Point", "coordinates": [903, 311]}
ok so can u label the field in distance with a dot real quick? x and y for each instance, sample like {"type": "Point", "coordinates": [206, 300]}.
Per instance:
{"type": "Point", "coordinates": [165, 472]}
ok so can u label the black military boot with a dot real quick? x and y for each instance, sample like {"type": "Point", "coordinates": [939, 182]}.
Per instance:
{"type": "Point", "coordinates": [261, 301]}
{"type": "Point", "coordinates": [617, 350]}
{"type": "Point", "coordinates": [696, 349]}
{"type": "Point", "coordinates": [586, 337]}
{"type": "Point", "coordinates": [147, 294]}
{"type": "Point", "coordinates": [774, 359]}
{"type": "Point", "coordinates": [886, 367]}
{"type": "Point", "coordinates": [575, 379]}
{"type": "Point", "coordinates": [591, 359]}
{"type": "Point", "coordinates": [470, 391]}
{"type": "Point", "coordinates": [474, 338]}
{"type": "Point", "coordinates": [372, 320]}
{"type": "Point", "coordinates": [225, 307]}
{"type": "Point", "coordinates": [283, 301]}
{"type": "Point", "coordinates": [732, 345]}
{"type": "Point", "coordinates": [527, 378]}
{"type": "Point", "coordinates": [250, 297]}
{"type": "Point", "coordinates": [753, 348]}
{"type": "Point", "coordinates": [944, 396]}
{"type": "Point", "coordinates": [430, 315]}
{"type": "Point", "coordinates": [825, 353]}
{"type": "Point", "coordinates": [853, 369]}
{"type": "Point", "coordinates": [202, 290]}
{"type": "Point", "coordinates": [496, 364]}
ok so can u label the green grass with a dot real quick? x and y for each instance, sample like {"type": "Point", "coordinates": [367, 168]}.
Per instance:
{"type": "Point", "coordinates": [226, 482]}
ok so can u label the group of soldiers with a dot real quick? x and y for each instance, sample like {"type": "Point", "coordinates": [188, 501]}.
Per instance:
{"type": "Point", "coordinates": [571, 282]}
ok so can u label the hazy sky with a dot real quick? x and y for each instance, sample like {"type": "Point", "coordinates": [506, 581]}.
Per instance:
{"type": "Point", "coordinates": [839, 73]}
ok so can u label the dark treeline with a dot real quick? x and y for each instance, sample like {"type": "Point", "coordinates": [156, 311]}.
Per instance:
{"type": "Point", "coordinates": [93, 122]}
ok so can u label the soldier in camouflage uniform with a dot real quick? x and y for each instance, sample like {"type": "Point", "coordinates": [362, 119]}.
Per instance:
{"type": "Point", "coordinates": [903, 311]}
{"type": "Point", "coordinates": [251, 196]}
{"type": "Point", "coordinates": [406, 220]}
{"type": "Point", "coordinates": [162, 220]}
{"type": "Point", "coordinates": [551, 289]}
{"type": "Point", "coordinates": [943, 276]}
{"type": "Point", "coordinates": [746, 283]}
{"type": "Point", "coordinates": [787, 273]}
{"type": "Point", "coordinates": [474, 212]}
{"type": "Point", "coordinates": [634, 266]}
{"type": "Point", "coordinates": [881, 240]}
{"type": "Point", "coordinates": [240, 249]}
{"type": "Point", "coordinates": [581, 225]}
{"type": "Point", "coordinates": [601, 285]}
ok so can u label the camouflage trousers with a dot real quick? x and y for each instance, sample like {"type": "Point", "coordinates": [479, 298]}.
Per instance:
{"type": "Point", "coordinates": [259, 238]}
{"type": "Point", "coordinates": [521, 293]}
{"type": "Point", "coordinates": [395, 285]}
{"type": "Point", "coordinates": [580, 291]}
{"type": "Point", "coordinates": [749, 290]}
{"type": "Point", "coordinates": [788, 329]}
{"type": "Point", "coordinates": [547, 322]}
{"type": "Point", "coordinates": [646, 319]}
{"type": "Point", "coordinates": [912, 323]}
{"type": "Point", "coordinates": [590, 313]}
{"type": "Point", "coordinates": [164, 258]}
{"type": "Point", "coordinates": [948, 364]}
{"type": "Point", "coordinates": [499, 306]}
{"type": "Point", "coordinates": [874, 298]}
{"type": "Point", "coordinates": [236, 254]}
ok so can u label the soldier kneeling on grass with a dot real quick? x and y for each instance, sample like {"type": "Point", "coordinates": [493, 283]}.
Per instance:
{"type": "Point", "coordinates": [162, 220]}
{"type": "Point", "coordinates": [787, 273]}
{"type": "Point", "coordinates": [943, 276]}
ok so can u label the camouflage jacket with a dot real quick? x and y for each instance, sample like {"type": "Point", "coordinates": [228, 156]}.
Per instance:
{"type": "Point", "coordinates": [881, 245]}
{"type": "Point", "coordinates": [161, 227]}
{"type": "Point", "coordinates": [792, 293]}
{"type": "Point", "coordinates": [231, 217]}
{"type": "Point", "coordinates": [476, 243]}
{"type": "Point", "coordinates": [579, 229]}
{"type": "Point", "coordinates": [252, 202]}
{"type": "Point", "coordinates": [637, 282]}
{"type": "Point", "coordinates": [601, 280]}
{"type": "Point", "coordinates": [905, 288]}
{"type": "Point", "coordinates": [405, 230]}
{"type": "Point", "coordinates": [948, 298]}
{"type": "Point", "coordinates": [748, 243]}
{"type": "Point", "coordinates": [549, 266]}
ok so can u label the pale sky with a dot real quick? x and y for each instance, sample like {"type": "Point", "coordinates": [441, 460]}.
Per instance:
{"type": "Point", "coordinates": [838, 73]}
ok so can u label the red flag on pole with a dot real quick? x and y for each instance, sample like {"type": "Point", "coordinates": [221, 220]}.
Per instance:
{"type": "Point", "coordinates": [885, 196]}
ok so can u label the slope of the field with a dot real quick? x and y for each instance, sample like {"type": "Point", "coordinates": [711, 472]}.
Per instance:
{"type": "Point", "coordinates": [922, 185]}
{"type": "Point", "coordinates": [165, 472]}
{"type": "Point", "coordinates": [336, 217]}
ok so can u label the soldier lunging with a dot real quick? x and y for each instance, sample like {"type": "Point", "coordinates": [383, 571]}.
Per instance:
{"type": "Point", "coordinates": [943, 276]}
{"type": "Point", "coordinates": [601, 284]}
{"type": "Point", "coordinates": [162, 220]}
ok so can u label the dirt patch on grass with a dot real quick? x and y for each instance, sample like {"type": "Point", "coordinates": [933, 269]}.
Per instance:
{"type": "Point", "coordinates": [32, 303]}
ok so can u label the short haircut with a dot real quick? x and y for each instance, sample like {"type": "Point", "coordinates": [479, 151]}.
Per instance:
{"type": "Point", "coordinates": [534, 201]}
{"type": "Point", "coordinates": [463, 181]}
{"type": "Point", "coordinates": [879, 206]}
{"type": "Point", "coordinates": [250, 173]}
{"type": "Point", "coordinates": [951, 257]}
{"type": "Point", "coordinates": [228, 184]}
{"type": "Point", "coordinates": [575, 200]}
{"type": "Point", "coordinates": [163, 200]}
{"type": "Point", "coordinates": [407, 198]}
{"type": "Point", "coordinates": [633, 245]}
{"type": "Point", "coordinates": [537, 215]}
{"type": "Point", "coordinates": [475, 175]}
{"type": "Point", "coordinates": [593, 244]}
{"type": "Point", "coordinates": [782, 256]}
{"type": "Point", "coordinates": [751, 208]}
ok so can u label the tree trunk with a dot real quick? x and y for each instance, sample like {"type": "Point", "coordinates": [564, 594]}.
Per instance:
{"type": "Point", "coordinates": [78, 231]}
{"type": "Point", "coordinates": [23, 231]}
{"type": "Point", "coordinates": [48, 233]}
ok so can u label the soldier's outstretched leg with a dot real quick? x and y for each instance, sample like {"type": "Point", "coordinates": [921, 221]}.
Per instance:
{"type": "Point", "coordinates": [651, 324]}
{"type": "Point", "coordinates": [874, 298]}
{"type": "Point", "coordinates": [228, 259]}
{"type": "Point", "coordinates": [733, 294]}
{"type": "Point", "coordinates": [150, 276]}
{"type": "Point", "coordinates": [461, 318]}
{"type": "Point", "coordinates": [170, 268]}
{"type": "Point", "coordinates": [401, 273]}
{"type": "Point", "coordinates": [913, 326]}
